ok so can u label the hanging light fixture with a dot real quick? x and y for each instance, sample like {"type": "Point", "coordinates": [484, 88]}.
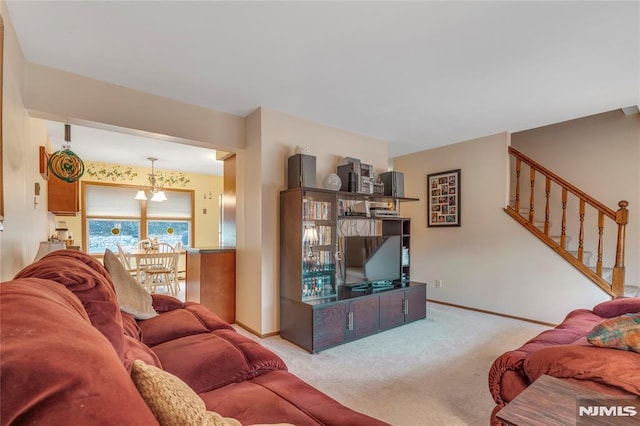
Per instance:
{"type": "Point", "coordinates": [154, 187]}
{"type": "Point", "coordinates": [64, 163]}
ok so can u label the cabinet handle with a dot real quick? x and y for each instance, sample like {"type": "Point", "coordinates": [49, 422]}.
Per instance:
{"type": "Point", "coordinates": [405, 306]}
{"type": "Point", "coordinates": [350, 317]}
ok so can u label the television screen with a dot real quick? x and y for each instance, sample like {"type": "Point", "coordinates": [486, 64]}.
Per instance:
{"type": "Point", "coordinates": [371, 258]}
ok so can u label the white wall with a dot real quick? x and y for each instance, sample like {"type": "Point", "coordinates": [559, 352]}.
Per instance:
{"type": "Point", "coordinates": [490, 262]}
{"type": "Point", "coordinates": [25, 223]}
{"type": "Point", "coordinates": [59, 95]}
{"type": "Point", "coordinates": [271, 138]}
{"type": "Point", "coordinates": [249, 281]}
{"type": "Point", "coordinates": [600, 155]}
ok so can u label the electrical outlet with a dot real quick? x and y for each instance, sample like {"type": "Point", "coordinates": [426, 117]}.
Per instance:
{"type": "Point", "coordinates": [438, 283]}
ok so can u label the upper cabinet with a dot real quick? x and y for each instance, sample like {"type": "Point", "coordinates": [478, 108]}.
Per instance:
{"type": "Point", "coordinates": [64, 197]}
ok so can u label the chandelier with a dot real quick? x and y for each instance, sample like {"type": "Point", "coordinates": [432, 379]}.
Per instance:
{"type": "Point", "coordinates": [64, 163]}
{"type": "Point", "coordinates": [155, 188]}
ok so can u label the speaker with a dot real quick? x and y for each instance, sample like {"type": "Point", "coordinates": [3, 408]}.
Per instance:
{"type": "Point", "coordinates": [349, 175]}
{"type": "Point", "coordinates": [393, 183]}
{"type": "Point", "coordinates": [302, 171]}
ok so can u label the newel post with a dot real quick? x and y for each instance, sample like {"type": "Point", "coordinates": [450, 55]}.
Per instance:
{"type": "Point", "coordinates": [622, 218]}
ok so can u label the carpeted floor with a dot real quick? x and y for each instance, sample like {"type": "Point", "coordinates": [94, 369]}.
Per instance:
{"type": "Point", "coordinates": [430, 372]}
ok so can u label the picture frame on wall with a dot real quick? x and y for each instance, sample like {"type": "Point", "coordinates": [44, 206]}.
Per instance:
{"type": "Point", "coordinates": [443, 198]}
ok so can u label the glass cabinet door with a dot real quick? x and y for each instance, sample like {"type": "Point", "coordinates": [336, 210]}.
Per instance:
{"type": "Point", "coordinates": [319, 245]}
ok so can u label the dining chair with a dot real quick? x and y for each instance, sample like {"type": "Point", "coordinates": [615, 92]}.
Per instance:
{"type": "Point", "coordinates": [125, 259]}
{"type": "Point", "coordinates": [143, 244]}
{"type": "Point", "coordinates": [181, 269]}
{"type": "Point", "coordinates": [163, 248]}
{"type": "Point", "coordinates": [160, 270]}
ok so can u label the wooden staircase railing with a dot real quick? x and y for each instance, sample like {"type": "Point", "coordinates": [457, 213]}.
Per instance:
{"type": "Point", "coordinates": [615, 288]}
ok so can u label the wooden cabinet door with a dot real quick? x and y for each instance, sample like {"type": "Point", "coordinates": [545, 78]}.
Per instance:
{"type": "Point", "coordinates": [391, 309]}
{"type": "Point", "coordinates": [416, 303]}
{"type": "Point", "coordinates": [63, 197]}
{"type": "Point", "coordinates": [211, 281]}
{"type": "Point", "coordinates": [329, 325]}
{"type": "Point", "coordinates": [365, 316]}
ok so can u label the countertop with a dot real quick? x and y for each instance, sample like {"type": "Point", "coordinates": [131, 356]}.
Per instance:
{"type": "Point", "coordinates": [205, 250]}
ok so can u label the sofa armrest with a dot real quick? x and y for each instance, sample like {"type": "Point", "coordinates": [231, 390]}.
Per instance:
{"type": "Point", "coordinates": [506, 376]}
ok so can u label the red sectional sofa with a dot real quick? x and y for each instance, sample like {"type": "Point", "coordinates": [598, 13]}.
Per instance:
{"type": "Point", "coordinates": [67, 352]}
{"type": "Point", "coordinates": [565, 352]}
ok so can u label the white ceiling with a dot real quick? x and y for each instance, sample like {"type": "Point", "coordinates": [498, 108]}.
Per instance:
{"type": "Point", "coordinates": [416, 74]}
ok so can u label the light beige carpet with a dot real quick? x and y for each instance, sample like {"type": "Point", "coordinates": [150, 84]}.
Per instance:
{"type": "Point", "coordinates": [430, 372]}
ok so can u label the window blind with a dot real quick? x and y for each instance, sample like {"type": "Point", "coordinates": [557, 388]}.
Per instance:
{"type": "Point", "coordinates": [177, 206]}
{"type": "Point", "coordinates": [111, 201]}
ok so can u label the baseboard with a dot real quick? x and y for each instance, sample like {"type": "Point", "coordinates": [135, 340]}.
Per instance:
{"type": "Point", "coordinates": [255, 333]}
{"type": "Point", "coordinates": [548, 324]}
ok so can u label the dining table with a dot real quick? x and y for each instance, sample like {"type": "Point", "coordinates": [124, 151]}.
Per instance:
{"type": "Point", "coordinates": [139, 254]}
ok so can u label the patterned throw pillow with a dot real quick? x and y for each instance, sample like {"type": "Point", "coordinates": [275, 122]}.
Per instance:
{"type": "Point", "coordinates": [621, 332]}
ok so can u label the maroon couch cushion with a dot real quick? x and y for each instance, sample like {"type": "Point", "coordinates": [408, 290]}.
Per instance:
{"type": "Point", "coordinates": [279, 396]}
{"type": "Point", "coordinates": [165, 303]}
{"type": "Point", "coordinates": [169, 326]}
{"type": "Point", "coordinates": [212, 360]}
{"type": "Point", "coordinates": [133, 346]}
{"type": "Point", "coordinates": [85, 258]}
{"type": "Point", "coordinates": [130, 326]}
{"type": "Point", "coordinates": [617, 307]}
{"type": "Point", "coordinates": [208, 318]}
{"type": "Point", "coordinates": [172, 401]}
{"type": "Point", "coordinates": [136, 350]}
{"type": "Point", "coordinates": [55, 366]}
{"type": "Point", "coordinates": [612, 367]}
{"type": "Point", "coordinates": [176, 323]}
{"type": "Point", "coordinates": [506, 375]}
{"type": "Point", "coordinates": [578, 322]}
{"type": "Point", "coordinates": [90, 282]}
{"type": "Point", "coordinates": [203, 350]}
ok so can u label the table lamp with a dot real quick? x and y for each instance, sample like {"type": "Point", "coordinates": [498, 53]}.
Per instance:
{"type": "Point", "coordinates": [48, 247]}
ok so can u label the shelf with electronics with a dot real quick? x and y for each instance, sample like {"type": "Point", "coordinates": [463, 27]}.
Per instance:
{"type": "Point", "coordinates": [344, 266]}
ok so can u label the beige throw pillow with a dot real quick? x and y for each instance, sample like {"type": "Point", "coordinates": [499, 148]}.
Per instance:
{"type": "Point", "coordinates": [172, 401]}
{"type": "Point", "coordinates": [132, 296]}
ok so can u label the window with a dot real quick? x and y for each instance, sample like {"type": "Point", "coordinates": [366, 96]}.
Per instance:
{"type": "Point", "coordinates": [168, 231]}
{"type": "Point", "coordinates": [112, 216]}
{"type": "Point", "coordinates": [107, 233]}
{"type": "Point", "coordinates": [169, 221]}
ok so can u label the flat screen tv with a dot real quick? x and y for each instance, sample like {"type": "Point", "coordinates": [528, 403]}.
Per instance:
{"type": "Point", "coordinates": [370, 259]}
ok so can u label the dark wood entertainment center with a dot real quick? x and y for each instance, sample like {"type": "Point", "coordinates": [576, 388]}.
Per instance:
{"type": "Point", "coordinates": [317, 311]}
